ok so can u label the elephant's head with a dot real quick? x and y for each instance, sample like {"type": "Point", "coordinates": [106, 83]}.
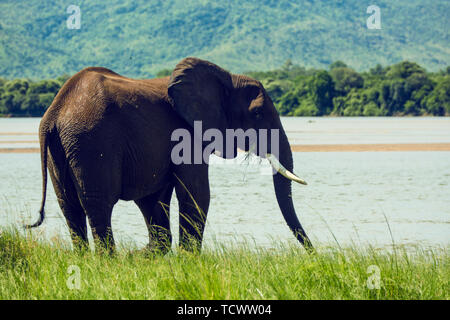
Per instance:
{"type": "Point", "coordinates": [202, 91]}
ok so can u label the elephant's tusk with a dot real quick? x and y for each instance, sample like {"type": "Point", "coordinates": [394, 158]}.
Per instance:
{"type": "Point", "coordinates": [282, 170]}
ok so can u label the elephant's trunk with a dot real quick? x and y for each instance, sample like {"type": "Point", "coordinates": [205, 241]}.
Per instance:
{"type": "Point", "coordinates": [283, 192]}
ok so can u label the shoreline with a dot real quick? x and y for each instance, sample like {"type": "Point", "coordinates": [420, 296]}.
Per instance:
{"type": "Point", "coordinates": [375, 147]}
{"type": "Point", "coordinates": [379, 147]}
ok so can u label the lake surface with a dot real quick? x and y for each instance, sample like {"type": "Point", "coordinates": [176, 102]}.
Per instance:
{"type": "Point", "coordinates": [348, 196]}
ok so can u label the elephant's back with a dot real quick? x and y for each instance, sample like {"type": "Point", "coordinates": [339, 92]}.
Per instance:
{"type": "Point", "coordinates": [94, 93]}
{"type": "Point", "coordinates": [102, 116]}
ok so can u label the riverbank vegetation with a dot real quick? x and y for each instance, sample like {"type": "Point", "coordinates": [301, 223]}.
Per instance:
{"type": "Point", "coordinates": [403, 89]}
{"type": "Point", "coordinates": [37, 269]}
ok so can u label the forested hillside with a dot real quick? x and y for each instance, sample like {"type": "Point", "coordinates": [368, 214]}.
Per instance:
{"type": "Point", "coordinates": [139, 38]}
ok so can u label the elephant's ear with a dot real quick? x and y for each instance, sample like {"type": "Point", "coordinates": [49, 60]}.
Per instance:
{"type": "Point", "coordinates": [198, 90]}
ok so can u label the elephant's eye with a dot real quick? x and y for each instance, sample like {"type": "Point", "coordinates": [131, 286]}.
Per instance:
{"type": "Point", "coordinates": [257, 113]}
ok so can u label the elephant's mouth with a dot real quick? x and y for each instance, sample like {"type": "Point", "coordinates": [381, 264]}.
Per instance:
{"type": "Point", "coordinates": [282, 170]}
{"type": "Point", "coordinates": [277, 165]}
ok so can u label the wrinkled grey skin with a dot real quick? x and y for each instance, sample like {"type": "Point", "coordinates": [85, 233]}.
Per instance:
{"type": "Point", "coordinates": [106, 137]}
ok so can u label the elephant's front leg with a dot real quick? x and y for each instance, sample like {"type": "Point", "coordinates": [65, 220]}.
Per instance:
{"type": "Point", "coordinates": [192, 190]}
{"type": "Point", "coordinates": [156, 211]}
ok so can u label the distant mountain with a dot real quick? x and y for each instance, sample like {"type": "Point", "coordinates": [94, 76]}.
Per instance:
{"type": "Point", "coordinates": [139, 38]}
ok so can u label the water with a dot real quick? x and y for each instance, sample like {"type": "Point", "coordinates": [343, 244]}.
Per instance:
{"type": "Point", "coordinates": [348, 196]}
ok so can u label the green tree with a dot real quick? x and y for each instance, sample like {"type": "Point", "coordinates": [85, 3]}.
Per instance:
{"type": "Point", "coordinates": [322, 92]}
{"type": "Point", "coordinates": [337, 64]}
{"type": "Point", "coordinates": [404, 70]}
{"type": "Point", "coordinates": [377, 70]}
{"type": "Point", "coordinates": [346, 79]}
{"type": "Point", "coordinates": [438, 102]}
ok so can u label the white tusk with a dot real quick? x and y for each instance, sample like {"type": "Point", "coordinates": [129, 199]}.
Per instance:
{"type": "Point", "coordinates": [282, 170]}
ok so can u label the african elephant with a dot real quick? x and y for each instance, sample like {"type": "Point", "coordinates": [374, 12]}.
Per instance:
{"type": "Point", "coordinates": [106, 137]}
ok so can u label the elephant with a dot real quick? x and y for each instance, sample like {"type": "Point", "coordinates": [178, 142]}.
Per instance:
{"type": "Point", "coordinates": [107, 137]}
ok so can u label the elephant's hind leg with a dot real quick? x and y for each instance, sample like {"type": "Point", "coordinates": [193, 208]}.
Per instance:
{"type": "Point", "coordinates": [97, 203]}
{"type": "Point", "coordinates": [98, 184]}
{"type": "Point", "coordinates": [76, 221]}
{"type": "Point", "coordinates": [155, 208]}
{"type": "Point", "coordinates": [99, 213]}
{"type": "Point", "coordinates": [69, 202]}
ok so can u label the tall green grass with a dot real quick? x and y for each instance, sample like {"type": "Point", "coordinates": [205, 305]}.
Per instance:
{"type": "Point", "coordinates": [33, 269]}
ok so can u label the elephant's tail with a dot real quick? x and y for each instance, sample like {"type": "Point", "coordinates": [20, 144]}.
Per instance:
{"type": "Point", "coordinates": [43, 141]}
